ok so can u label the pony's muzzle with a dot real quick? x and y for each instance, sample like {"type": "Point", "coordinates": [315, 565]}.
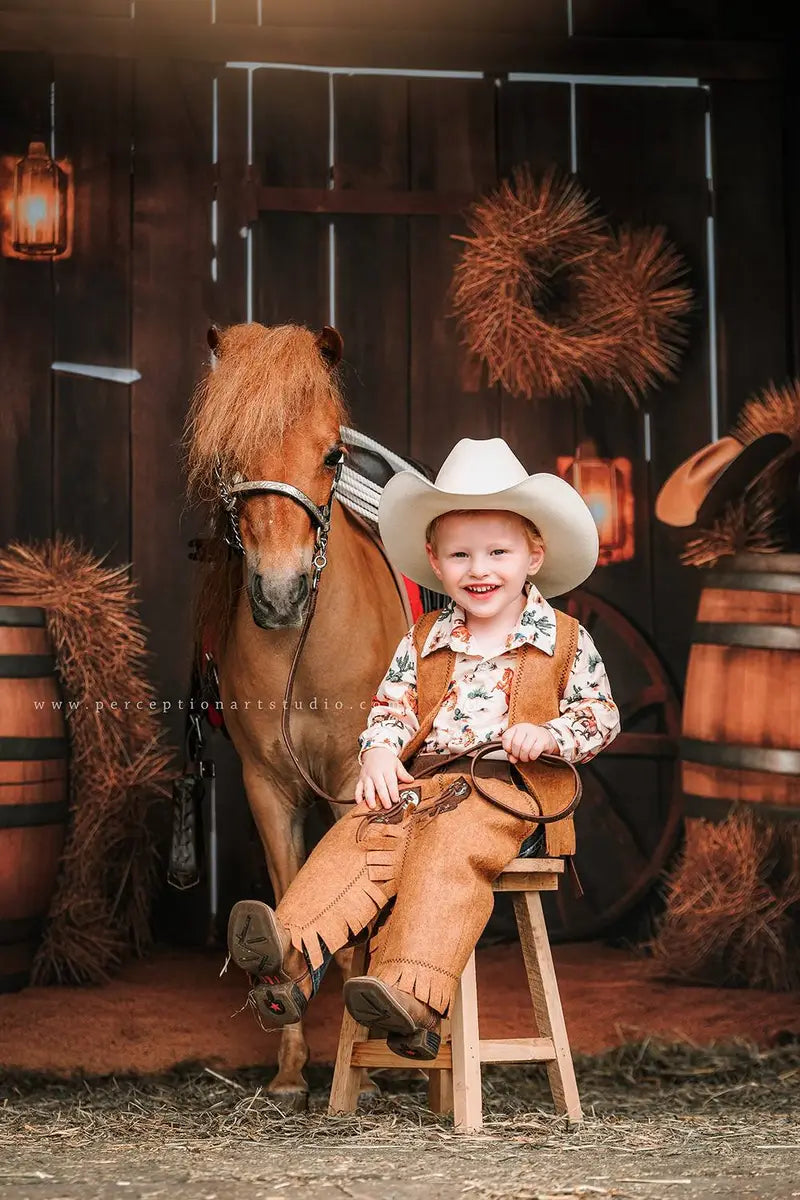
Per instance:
{"type": "Point", "coordinates": [278, 603]}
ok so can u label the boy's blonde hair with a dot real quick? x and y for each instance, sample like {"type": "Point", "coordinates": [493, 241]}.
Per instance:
{"type": "Point", "coordinates": [532, 534]}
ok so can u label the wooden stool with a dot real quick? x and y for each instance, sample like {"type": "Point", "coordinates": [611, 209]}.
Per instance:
{"type": "Point", "coordinates": [455, 1074]}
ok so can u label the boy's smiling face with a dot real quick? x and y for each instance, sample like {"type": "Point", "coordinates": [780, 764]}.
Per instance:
{"type": "Point", "coordinates": [483, 559]}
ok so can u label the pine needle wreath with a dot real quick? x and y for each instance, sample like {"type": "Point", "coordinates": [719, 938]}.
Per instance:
{"type": "Point", "coordinates": [635, 285]}
{"type": "Point", "coordinates": [118, 762]}
{"type": "Point", "coordinates": [519, 287]}
{"type": "Point", "coordinates": [553, 301]}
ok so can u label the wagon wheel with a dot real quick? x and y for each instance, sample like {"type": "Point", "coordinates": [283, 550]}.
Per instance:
{"type": "Point", "coordinates": [630, 815]}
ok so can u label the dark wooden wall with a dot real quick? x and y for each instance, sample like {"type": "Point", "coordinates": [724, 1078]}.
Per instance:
{"type": "Point", "coordinates": [100, 460]}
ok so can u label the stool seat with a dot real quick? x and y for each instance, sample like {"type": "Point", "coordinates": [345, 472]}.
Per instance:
{"type": "Point", "coordinates": [455, 1073]}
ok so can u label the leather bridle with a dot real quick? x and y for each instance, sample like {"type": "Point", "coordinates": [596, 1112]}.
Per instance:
{"type": "Point", "coordinates": [321, 517]}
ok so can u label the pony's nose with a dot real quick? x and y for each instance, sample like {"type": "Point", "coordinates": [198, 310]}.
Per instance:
{"type": "Point", "coordinates": [278, 607]}
{"type": "Point", "coordinates": [301, 589]}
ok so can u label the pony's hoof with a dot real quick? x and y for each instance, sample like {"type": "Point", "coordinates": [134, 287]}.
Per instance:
{"type": "Point", "coordinates": [369, 1091]}
{"type": "Point", "coordinates": [290, 1100]}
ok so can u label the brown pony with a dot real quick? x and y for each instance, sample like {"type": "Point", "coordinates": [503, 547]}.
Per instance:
{"type": "Point", "coordinates": [270, 409]}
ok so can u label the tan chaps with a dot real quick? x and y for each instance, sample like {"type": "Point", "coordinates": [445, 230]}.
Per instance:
{"type": "Point", "coordinates": [437, 863]}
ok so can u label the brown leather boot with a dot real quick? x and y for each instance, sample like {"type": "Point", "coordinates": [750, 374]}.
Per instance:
{"type": "Point", "coordinates": [261, 946]}
{"type": "Point", "coordinates": [412, 1028]}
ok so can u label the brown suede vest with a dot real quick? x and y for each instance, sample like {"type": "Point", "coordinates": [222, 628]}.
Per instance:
{"type": "Point", "coordinates": [538, 685]}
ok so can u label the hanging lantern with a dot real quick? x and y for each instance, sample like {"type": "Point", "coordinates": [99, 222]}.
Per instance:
{"type": "Point", "coordinates": [606, 486]}
{"type": "Point", "coordinates": [39, 206]}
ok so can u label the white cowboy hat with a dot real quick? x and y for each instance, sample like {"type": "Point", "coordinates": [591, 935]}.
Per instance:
{"type": "Point", "coordinates": [488, 475]}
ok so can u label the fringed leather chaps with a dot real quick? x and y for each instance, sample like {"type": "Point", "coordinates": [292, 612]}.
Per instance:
{"type": "Point", "coordinates": [439, 861]}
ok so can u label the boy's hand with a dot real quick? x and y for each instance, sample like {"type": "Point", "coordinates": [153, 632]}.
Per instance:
{"type": "Point", "coordinates": [380, 771]}
{"type": "Point", "coordinates": [524, 742]}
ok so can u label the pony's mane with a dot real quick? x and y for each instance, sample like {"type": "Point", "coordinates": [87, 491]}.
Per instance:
{"type": "Point", "coordinates": [265, 382]}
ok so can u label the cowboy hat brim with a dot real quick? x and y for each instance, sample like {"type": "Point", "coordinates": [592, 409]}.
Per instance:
{"type": "Point", "coordinates": [698, 490]}
{"type": "Point", "coordinates": [409, 504]}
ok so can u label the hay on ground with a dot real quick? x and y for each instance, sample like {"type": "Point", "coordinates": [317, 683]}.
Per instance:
{"type": "Point", "coordinates": [118, 761]}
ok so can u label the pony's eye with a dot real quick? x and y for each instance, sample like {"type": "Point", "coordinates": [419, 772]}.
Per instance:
{"type": "Point", "coordinates": [334, 457]}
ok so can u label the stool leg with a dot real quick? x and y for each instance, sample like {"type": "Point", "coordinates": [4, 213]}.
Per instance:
{"type": "Point", "coordinates": [466, 1050]}
{"type": "Point", "coordinates": [347, 1080]}
{"type": "Point", "coordinates": [440, 1083]}
{"type": "Point", "coordinates": [547, 1002]}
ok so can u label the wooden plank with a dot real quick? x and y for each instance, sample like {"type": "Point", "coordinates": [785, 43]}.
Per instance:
{"type": "Point", "coordinates": [92, 308]}
{"type": "Point", "coordinates": [535, 866]}
{"type": "Point", "coordinates": [642, 18]}
{"type": "Point", "coordinates": [641, 151]}
{"type": "Point", "coordinates": [26, 326]}
{"type": "Point", "coordinates": [372, 284]}
{"type": "Point", "coordinates": [175, 12]}
{"type": "Point", "coordinates": [97, 8]}
{"type": "Point", "coordinates": [242, 12]}
{"type": "Point", "coordinates": [547, 1004]}
{"type": "Point", "coordinates": [750, 237]}
{"type": "Point", "coordinates": [366, 201]}
{"type": "Point", "coordinates": [516, 1050]}
{"type": "Point", "coordinates": [526, 883]}
{"type": "Point", "coordinates": [290, 148]}
{"type": "Point", "coordinates": [171, 283]}
{"type": "Point", "coordinates": [377, 1054]}
{"type": "Point", "coordinates": [533, 127]}
{"type": "Point", "coordinates": [452, 147]}
{"type": "Point", "coordinates": [230, 289]}
{"type": "Point", "coordinates": [700, 19]}
{"type": "Point", "coordinates": [346, 1077]}
{"type": "Point", "coordinates": [421, 48]}
{"type": "Point", "coordinates": [465, 1048]}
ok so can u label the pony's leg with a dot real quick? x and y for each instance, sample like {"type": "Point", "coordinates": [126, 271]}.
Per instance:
{"type": "Point", "coordinates": [280, 826]}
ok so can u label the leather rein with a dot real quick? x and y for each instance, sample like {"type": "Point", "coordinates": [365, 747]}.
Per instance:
{"type": "Point", "coordinates": [321, 517]}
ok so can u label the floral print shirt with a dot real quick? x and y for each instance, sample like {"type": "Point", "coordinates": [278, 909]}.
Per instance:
{"type": "Point", "coordinates": [475, 709]}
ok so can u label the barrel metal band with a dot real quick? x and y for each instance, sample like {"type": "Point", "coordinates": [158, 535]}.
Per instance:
{"type": "Point", "coordinates": [26, 666]}
{"type": "Point", "coordinates": [20, 929]}
{"type": "Point", "coordinates": [18, 749]}
{"type": "Point", "coordinates": [751, 581]}
{"type": "Point", "coordinates": [21, 816]}
{"type": "Point", "coordinates": [717, 809]}
{"type": "Point", "coordinates": [745, 758]}
{"type": "Point", "coordinates": [755, 637]}
{"type": "Point", "coordinates": [21, 614]}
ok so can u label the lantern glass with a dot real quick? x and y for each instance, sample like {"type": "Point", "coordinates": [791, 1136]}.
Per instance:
{"type": "Point", "coordinates": [39, 210]}
{"type": "Point", "coordinates": [606, 486]}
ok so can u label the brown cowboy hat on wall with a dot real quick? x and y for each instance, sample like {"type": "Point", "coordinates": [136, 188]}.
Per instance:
{"type": "Point", "coordinates": [698, 490]}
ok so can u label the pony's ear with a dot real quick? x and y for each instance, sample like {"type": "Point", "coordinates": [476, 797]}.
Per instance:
{"type": "Point", "coordinates": [331, 345]}
{"type": "Point", "coordinates": [213, 339]}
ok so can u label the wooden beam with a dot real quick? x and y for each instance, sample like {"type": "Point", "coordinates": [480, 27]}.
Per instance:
{"type": "Point", "coordinates": [364, 201]}
{"type": "Point", "coordinates": [421, 49]}
{"type": "Point", "coordinates": [517, 1050]}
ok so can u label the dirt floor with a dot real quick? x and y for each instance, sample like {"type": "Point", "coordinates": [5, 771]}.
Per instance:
{"type": "Point", "coordinates": [677, 1105]}
{"type": "Point", "coordinates": [173, 1008]}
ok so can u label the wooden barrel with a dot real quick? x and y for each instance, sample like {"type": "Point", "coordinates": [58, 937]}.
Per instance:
{"type": "Point", "coordinates": [33, 786]}
{"type": "Point", "coordinates": [741, 711]}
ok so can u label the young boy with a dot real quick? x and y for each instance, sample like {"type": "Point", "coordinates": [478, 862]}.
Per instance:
{"type": "Point", "coordinates": [496, 663]}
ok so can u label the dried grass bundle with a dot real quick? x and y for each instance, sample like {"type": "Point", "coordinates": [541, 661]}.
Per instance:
{"type": "Point", "coordinates": [635, 283]}
{"type": "Point", "coordinates": [758, 521]}
{"type": "Point", "coordinates": [733, 905]}
{"type": "Point", "coordinates": [749, 525]}
{"type": "Point", "coordinates": [118, 762]}
{"type": "Point", "coordinates": [775, 410]}
{"type": "Point", "coordinates": [519, 287]}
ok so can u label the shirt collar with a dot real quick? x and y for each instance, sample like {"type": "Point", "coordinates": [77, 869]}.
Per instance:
{"type": "Point", "coordinates": [536, 627]}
